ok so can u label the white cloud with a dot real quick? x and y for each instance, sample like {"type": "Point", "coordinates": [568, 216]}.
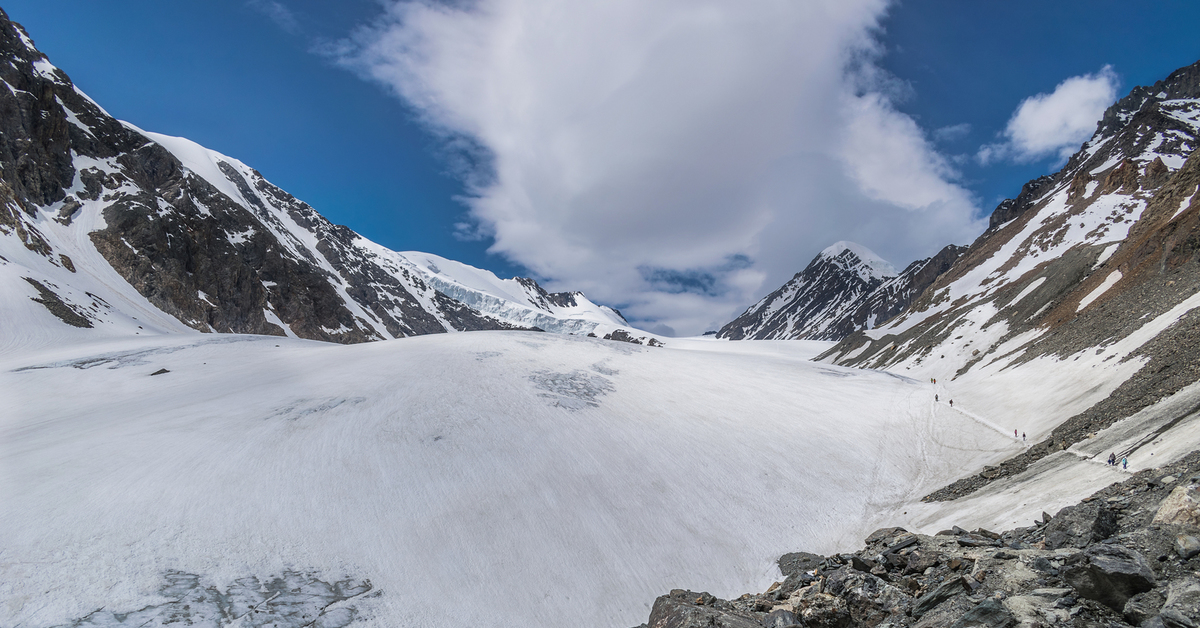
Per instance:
{"type": "Point", "coordinates": [676, 158]}
{"type": "Point", "coordinates": [278, 13]}
{"type": "Point", "coordinates": [1055, 124]}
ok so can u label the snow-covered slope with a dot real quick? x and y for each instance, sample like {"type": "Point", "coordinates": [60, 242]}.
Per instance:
{"type": "Point", "coordinates": [844, 289]}
{"type": "Point", "coordinates": [1076, 309]}
{"type": "Point", "coordinates": [113, 223]}
{"type": "Point", "coordinates": [486, 479]}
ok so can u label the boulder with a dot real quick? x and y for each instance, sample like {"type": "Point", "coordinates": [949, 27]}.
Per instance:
{"type": "Point", "coordinates": [780, 618]}
{"type": "Point", "coordinates": [1183, 597]}
{"type": "Point", "coordinates": [822, 610]}
{"type": "Point", "coordinates": [884, 533]}
{"type": "Point", "coordinates": [946, 613]}
{"type": "Point", "coordinates": [943, 592]}
{"type": "Point", "coordinates": [868, 598]}
{"type": "Point", "coordinates": [799, 563]}
{"type": "Point", "coordinates": [1109, 574]}
{"type": "Point", "coordinates": [1143, 606]}
{"type": "Point", "coordinates": [1077, 526]}
{"type": "Point", "coordinates": [988, 614]}
{"type": "Point", "coordinates": [921, 560]}
{"type": "Point", "coordinates": [1170, 619]}
{"type": "Point", "coordinates": [1182, 506]}
{"type": "Point", "coordinates": [1186, 546]}
{"type": "Point", "coordinates": [687, 609]}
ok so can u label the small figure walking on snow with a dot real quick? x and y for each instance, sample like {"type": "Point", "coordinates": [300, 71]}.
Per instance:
{"type": "Point", "coordinates": [1014, 433]}
{"type": "Point", "coordinates": [1124, 463]}
{"type": "Point", "coordinates": [935, 398]}
{"type": "Point", "coordinates": [1112, 459]}
{"type": "Point", "coordinates": [1022, 437]}
{"type": "Point", "coordinates": [951, 403]}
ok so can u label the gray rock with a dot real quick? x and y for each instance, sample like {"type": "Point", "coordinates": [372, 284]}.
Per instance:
{"type": "Point", "coordinates": [824, 611]}
{"type": "Point", "coordinates": [781, 618]}
{"type": "Point", "coordinates": [688, 609]}
{"type": "Point", "coordinates": [868, 598]}
{"type": "Point", "coordinates": [943, 592]}
{"type": "Point", "coordinates": [1187, 546]}
{"type": "Point", "coordinates": [1077, 526]}
{"type": "Point", "coordinates": [1143, 606]}
{"type": "Point", "coordinates": [1170, 619]}
{"type": "Point", "coordinates": [988, 614]}
{"type": "Point", "coordinates": [797, 563]}
{"type": "Point", "coordinates": [1109, 574]}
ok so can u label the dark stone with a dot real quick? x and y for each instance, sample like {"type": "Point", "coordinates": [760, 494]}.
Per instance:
{"type": "Point", "coordinates": [159, 372]}
{"type": "Point", "coordinates": [797, 563]}
{"type": "Point", "coordinates": [1077, 526]}
{"type": "Point", "coordinates": [921, 560]}
{"type": "Point", "coordinates": [1109, 574]}
{"type": "Point", "coordinates": [988, 614]}
{"type": "Point", "coordinates": [857, 562]}
{"type": "Point", "coordinates": [688, 609]}
{"type": "Point", "coordinates": [781, 618]}
{"type": "Point", "coordinates": [883, 534]}
{"type": "Point", "coordinates": [1187, 546]}
{"type": "Point", "coordinates": [868, 598]}
{"type": "Point", "coordinates": [1143, 606]}
{"type": "Point", "coordinates": [943, 592]}
{"type": "Point", "coordinates": [57, 307]}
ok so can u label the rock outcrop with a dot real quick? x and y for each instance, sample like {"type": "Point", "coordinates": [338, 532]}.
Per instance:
{"type": "Point", "coordinates": [1132, 575]}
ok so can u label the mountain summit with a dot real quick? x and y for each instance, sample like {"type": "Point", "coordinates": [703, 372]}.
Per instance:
{"type": "Point", "coordinates": [845, 288]}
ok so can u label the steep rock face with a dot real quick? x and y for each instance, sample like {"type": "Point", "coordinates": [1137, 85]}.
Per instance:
{"type": "Point", "coordinates": [846, 288]}
{"type": "Point", "coordinates": [205, 238]}
{"type": "Point", "coordinates": [1092, 273]}
{"type": "Point", "coordinates": [815, 299]}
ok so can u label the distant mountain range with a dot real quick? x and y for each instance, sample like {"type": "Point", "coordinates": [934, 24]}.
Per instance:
{"type": "Point", "coordinates": [116, 229]}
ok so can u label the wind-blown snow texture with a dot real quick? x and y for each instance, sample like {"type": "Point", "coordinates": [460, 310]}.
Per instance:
{"type": "Point", "coordinates": [484, 479]}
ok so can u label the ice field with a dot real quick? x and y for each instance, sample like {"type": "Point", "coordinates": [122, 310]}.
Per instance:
{"type": "Point", "coordinates": [484, 479]}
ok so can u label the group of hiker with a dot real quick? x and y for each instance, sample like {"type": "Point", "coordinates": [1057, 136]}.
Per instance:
{"type": "Point", "coordinates": [1112, 461]}
{"type": "Point", "coordinates": [935, 397]}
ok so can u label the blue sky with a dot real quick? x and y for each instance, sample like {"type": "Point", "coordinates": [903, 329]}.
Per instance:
{"type": "Point", "coordinates": [674, 160]}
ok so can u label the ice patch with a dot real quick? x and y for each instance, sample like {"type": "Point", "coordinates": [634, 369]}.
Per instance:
{"type": "Point", "coordinates": [1185, 204]}
{"type": "Point", "coordinates": [1106, 254]}
{"type": "Point", "coordinates": [289, 600]}
{"type": "Point", "coordinates": [1109, 282]}
{"type": "Point", "coordinates": [573, 391]}
{"type": "Point", "coordinates": [1028, 289]}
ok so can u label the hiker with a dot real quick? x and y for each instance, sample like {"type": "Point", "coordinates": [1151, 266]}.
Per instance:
{"type": "Point", "coordinates": [1022, 437]}
{"type": "Point", "coordinates": [1014, 433]}
{"type": "Point", "coordinates": [1124, 463]}
{"type": "Point", "coordinates": [935, 398]}
{"type": "Point", "coordinates": [1112, 459]}
{"type": "Point", "coordinates": [951, 403]}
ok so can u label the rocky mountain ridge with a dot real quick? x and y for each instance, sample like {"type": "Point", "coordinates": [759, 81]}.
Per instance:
{"type": "Point", "coordinates": [1091, 273]}
{"type": "Point", "coordinates": [845, 288]}
{"type": "Point", "coordinates": [207, 240]}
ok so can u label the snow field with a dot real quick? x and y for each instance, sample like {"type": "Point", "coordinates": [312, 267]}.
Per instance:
{"type": "Point", "coordinates": [488, 479]}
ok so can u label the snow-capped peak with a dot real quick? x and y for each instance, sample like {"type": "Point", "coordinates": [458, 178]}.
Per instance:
{"type": "Point", "coordinates": [858, 258]}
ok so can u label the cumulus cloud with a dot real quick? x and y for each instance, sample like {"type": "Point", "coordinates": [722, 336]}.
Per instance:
{"type": "Point", "coordinates": [1055, 124]}
{"type": "Point", "coordinates": [676, 158]}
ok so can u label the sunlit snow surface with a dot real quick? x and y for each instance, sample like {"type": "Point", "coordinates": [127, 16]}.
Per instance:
{"type": "Point", "coordinates": [482, 479]}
